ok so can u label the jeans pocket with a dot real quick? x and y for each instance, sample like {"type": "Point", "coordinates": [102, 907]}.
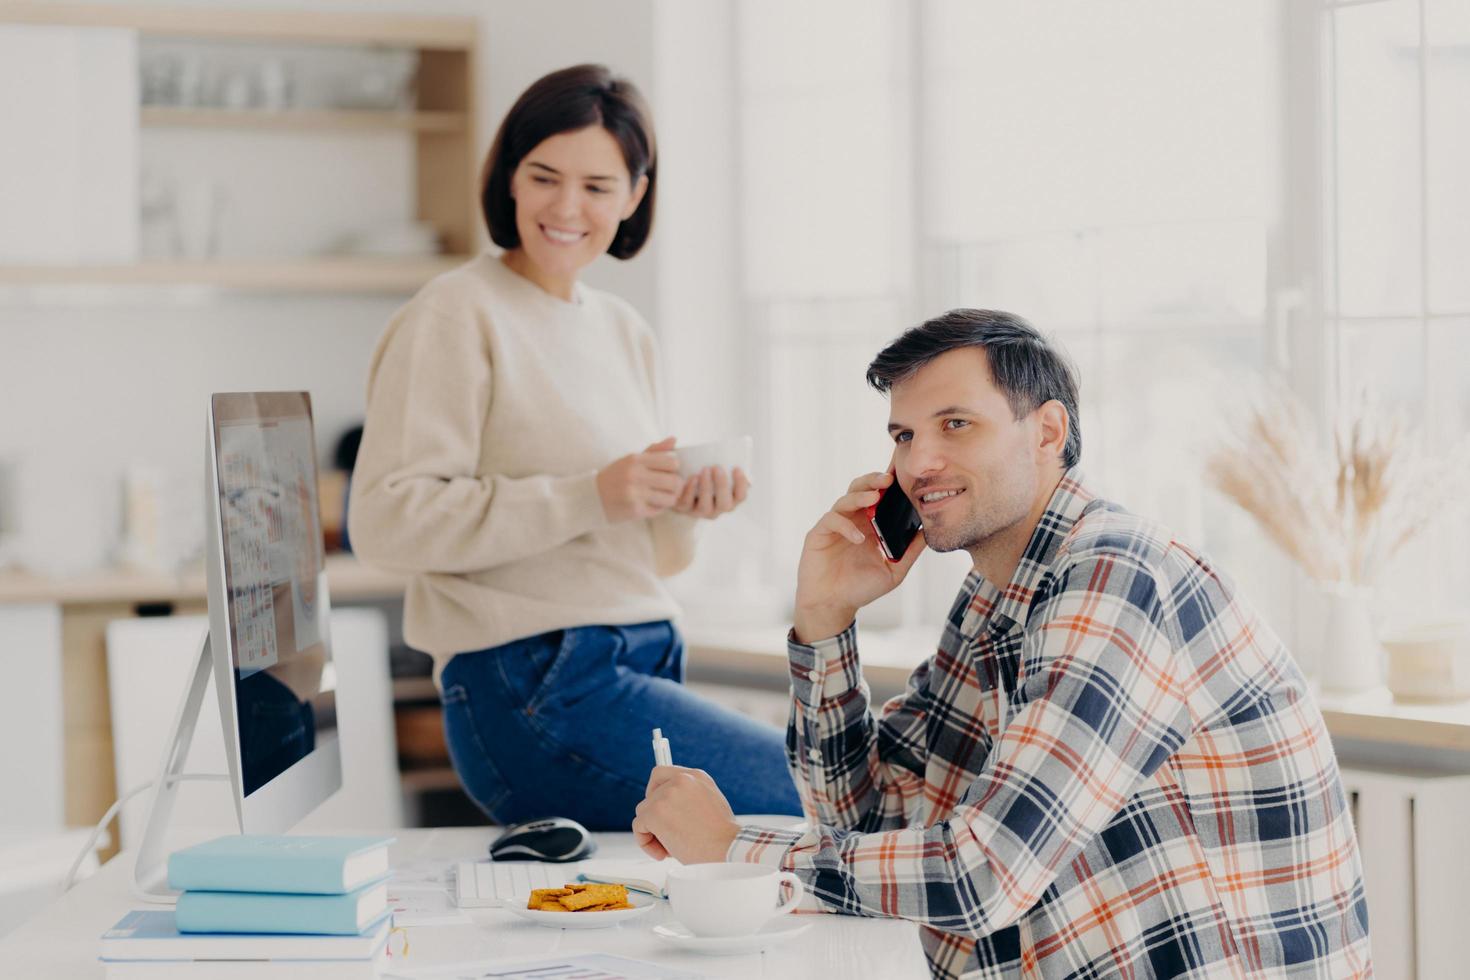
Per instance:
{"type": "Point", "coordinates": [472, 762]}
{"type": "Point", "coordinates": [527, 668]}
{"type": "Point", "coordinates": [585, 668]}
{"type": "Point", "coordinates": [543, 671]}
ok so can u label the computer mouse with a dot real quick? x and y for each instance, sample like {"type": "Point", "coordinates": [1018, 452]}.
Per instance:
{"type": "Point", "coordinates": [556, 839]}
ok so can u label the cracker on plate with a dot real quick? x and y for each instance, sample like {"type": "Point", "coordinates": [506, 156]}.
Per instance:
{"type": "Point", "coordinates": [580, 897]}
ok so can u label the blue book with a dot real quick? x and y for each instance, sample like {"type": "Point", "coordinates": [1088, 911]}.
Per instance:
{"type": "Point", "coordinates": [258, 912]}
{"type": "Point", "coordinates": [153, 935]}
{"type": "Point", "coordinates": [276, 864]}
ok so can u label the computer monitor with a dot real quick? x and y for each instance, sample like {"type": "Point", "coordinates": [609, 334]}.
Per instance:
{"type": "Point", "coordinates": [269, 643]}
{"type": "Point", "coordinates": [268, 602]}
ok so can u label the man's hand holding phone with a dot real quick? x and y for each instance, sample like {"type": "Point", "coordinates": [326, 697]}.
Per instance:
{"type": "Point", "coordinates": [842, 566]}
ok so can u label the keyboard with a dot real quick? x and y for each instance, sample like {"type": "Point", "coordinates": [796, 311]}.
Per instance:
{"type": "Point", "coordinates": [490, 884]}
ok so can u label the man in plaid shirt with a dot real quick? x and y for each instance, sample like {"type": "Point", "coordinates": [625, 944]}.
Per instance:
{"type": "Point", "coordinates": [1110, 767]}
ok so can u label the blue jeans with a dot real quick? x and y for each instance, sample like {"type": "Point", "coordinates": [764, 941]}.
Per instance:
{"type": "Point", "coordinates": [561, 725]}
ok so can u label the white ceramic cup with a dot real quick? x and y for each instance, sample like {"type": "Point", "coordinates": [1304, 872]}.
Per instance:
{"type": "Point", "coordinates": [1429, 662]}
{"type": "Point", "coordinates": [729, 899]}
{"type": "Point", "coordinates": [728, 453]}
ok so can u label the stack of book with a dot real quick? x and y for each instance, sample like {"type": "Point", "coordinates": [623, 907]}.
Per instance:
{"type": "Point", "coordinates": [263, 906]}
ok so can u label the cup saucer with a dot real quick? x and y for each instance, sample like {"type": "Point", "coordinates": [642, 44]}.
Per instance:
{"type": "Point", "coordinates": [677, 934]}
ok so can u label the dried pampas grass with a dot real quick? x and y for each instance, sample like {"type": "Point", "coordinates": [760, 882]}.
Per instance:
{"type": "Point", "coordinates": [1340, 512]}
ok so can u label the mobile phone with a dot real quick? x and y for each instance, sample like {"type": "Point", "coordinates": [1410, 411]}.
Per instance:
{"type": "Point", "coordinates": [894, 520]}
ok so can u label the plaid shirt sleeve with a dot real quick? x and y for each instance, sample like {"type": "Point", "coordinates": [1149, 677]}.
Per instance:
{"type": "Point", "coordinates": [879, 777]}
{"type": "Point", "coordinates": [1100, 707]}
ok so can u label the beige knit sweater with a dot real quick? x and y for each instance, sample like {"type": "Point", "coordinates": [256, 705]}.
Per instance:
{"type": "Point", "coordinates": [491, 406]}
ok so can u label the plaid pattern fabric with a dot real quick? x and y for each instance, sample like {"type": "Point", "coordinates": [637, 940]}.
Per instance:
{"type": "Point", "coordinates": [1110, 768]}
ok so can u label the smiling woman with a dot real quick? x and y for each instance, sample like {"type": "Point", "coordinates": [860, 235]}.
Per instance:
{"type": "Point", "coordinates": [515, 464]}
{"type": "Point", "coordinates": [571, 196]}
{"type": "Point", "coordinates": [571, 176]}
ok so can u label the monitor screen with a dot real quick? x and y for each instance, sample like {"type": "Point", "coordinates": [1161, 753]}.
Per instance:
{"type": "Point", "coordinates": [275, 581]}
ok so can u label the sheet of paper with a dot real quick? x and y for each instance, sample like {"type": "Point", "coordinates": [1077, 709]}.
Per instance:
{"type": "Point", "coordinates": [420, 907]}
{"type": "Point", "coordinates": [586, 966]}
{"type": "Point", "coordinates": [423, 875]}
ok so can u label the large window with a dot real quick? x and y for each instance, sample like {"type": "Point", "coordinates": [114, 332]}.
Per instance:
{"type": "Point", "coordinates": [1396, 108]}
{"type": "Point", "coordinates": [1102, 170]}
{"type": "Point", "coordinates": [1098, 173]}
{"type": "Point", "coordinates": [1123, 176]}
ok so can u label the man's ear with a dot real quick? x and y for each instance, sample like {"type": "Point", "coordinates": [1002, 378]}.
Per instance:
{"type": "Point", "coordinates": [1052, 427]}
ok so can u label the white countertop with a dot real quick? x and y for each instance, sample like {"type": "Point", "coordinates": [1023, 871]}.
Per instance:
{"type": "Point", "coordinates": [346, 577]}
{"type": "Point", "coordinates": [888, 657]}
{"type": "Point", "coordinates": [757, 652]}
{"type": "Point", "coordinates": [61, 940]}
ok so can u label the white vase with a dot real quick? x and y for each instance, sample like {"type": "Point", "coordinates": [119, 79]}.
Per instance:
{"type": "Point", "coordinates": [1352, 657]}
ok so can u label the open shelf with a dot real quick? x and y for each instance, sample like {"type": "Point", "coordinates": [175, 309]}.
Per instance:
{"type": "Point", "coordinates": [303, 119]}
{"type": "Point", "coordinates": [429, 780]}
{"type": "Point", "coordinates": [347, 274]}
{"type": "Point", "coordinates": [438, 121]}
{"type": "Point", "coordinates": [326, 27]}
{"type": "Point", "coordinates": [415, 689]}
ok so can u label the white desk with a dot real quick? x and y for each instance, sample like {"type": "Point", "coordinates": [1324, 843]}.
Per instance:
{"type": "Point", "coordinates": [60, 943]}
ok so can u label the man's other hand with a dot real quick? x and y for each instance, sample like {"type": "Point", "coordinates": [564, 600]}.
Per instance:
{"type": "Point", "coordinates": [684, 815]}
{"type": "Point", "coordinates": [842, 566]}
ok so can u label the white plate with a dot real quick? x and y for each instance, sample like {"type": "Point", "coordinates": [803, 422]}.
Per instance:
{"type": "Point", "coordinates": [580, 920]}
{"type": "Point", "coordinates": [779, 931]}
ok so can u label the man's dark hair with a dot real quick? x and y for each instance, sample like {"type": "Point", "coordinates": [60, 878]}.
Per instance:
{"type": "Point", "coordinates": [1028, 370]}
{"type": "Point", "coordinates": [563, 102]}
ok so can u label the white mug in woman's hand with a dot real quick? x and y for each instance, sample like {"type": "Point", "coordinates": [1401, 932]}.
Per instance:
{"type": "Point", "coordinates": [728, 898]}
{"type": "Point", "coordinates": [728, 453]}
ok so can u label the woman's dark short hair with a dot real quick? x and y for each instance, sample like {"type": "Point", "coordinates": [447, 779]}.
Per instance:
{"type": "Point", "coordinates": [562, 102]}
{"type": "Point", "coordinates": [1027, 369]}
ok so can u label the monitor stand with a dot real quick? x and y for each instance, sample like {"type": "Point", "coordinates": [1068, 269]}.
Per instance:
{"type": "Point", "coordinates": [150, 873]}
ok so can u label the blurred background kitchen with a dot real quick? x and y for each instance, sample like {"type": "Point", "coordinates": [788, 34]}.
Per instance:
{"type": "Point", "coordinates": [1232, 214]}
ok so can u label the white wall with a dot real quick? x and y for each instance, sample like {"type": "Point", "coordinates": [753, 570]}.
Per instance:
{"type": "Point", "coordinates": [79, 90]}
{"type": "Point", "coordinates": [108, 379]}
{"type": "Point", "coordinates": [698, 312]}
{"type": "Point", "coordinates": [95, 379]}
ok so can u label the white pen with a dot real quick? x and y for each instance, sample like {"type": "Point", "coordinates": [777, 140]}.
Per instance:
{"type": "Point", "coordinates": [661, 755]}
